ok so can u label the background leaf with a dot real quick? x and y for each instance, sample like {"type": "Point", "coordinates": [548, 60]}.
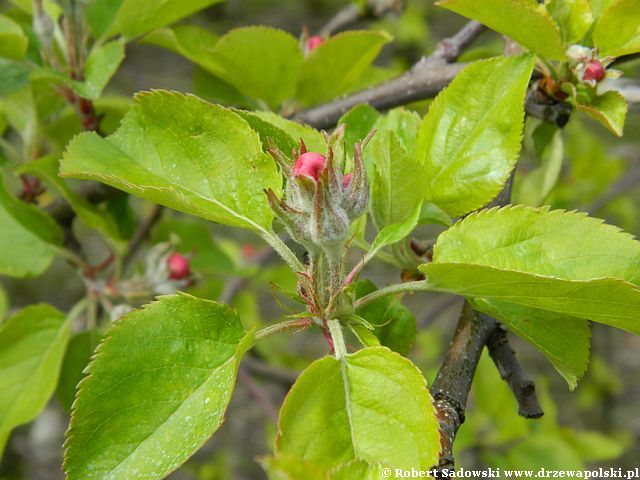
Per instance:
{"type": "Point", "coordinates": [32, 344]}
{"type": "Point", "coordinates": [184, 153]}
{"type": "Point", "coordinates": [375, 407]}
{"type": "Point", "coordinates": [29, 239]}
{"type": "Point", "coordinates": [13, 41]}
{"type": "Point", "coordinates": [337, 64]}
{"type": "Point", "coordinates": [101, 65]}
{"type": "Point", "coordinates": [261, 62]}
{"type": "Point", "coordinates": [617, 31]}
{"type": "Point", "coordinates": [156, 389]}
{"type": "Point", "coordinates": [470, 139]}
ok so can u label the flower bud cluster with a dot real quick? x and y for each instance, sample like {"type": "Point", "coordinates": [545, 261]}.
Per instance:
{"type": "Point", "coordinates": [321, 200]}
{"type": "Point", "coordinates": [588, 67]}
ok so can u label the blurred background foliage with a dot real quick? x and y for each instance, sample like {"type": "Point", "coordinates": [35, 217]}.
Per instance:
{"type": "Point", "coordinates": [596, 425]}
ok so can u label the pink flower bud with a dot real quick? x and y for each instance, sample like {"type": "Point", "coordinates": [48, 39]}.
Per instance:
{"type": "Point", "coordinates": [594, 71]}
{"type": "Point", "coordinates": [178, 266]}
{"type": "Point", "coordinates": [310, 164]}
{"type": "Point", "coordinates": [314, 42]}
{"type": "Point", "coordinates": [248, 251]}
{"type": "Point", "coordinates": [346, 180]}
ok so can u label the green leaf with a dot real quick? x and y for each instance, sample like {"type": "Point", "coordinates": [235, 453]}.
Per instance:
{"type": "Point", "coordinates": [617, 31]}
{"type": "Point", "coordinates": [312, 138]}
{"type": "Point", "coordinates": [558, 261]}
{"type": "Point", "coordinates": [261, 62]}
{"type": "Point", "coordinates": [102, 64]}
{"type": "Point", "coordinates": [431, 213]}
{"type": "Point", "coordinates": [46, 168]}
{"type": "Point", "coordinates": [13, 76]}
{"type": "Point", "coordinates": [156, 390]}
{"type": "Point", "coordinates": [397, 186]}
{"type": "Point", "coordinates": [185, 153]}
{"type": "Point", "coordinates": [358, 469]}
{"type": "Point", "coordinates": [373, 406]}
{"type": "Point", "coordinates": [594, 446]}
{"type": "Point", "coordinates": [525, 21]}
{"type": "Point", "coordinates": [191, 41]}
{"type": "Point", "coordinates": [29, 240]}
{"type": "Point", "coordinates": [564, 340]}
{"type": "Point", "coordinates": [268, 131]}
{"type": "Point", "coordinates": [574, 17]}
{"type": "Point", "coordinates": [288, 467]}
{"type": "Point", "coordinates": [337, 64]}
{"type": "Point", "coordinates": [534, 188]}
{"type": "Point", "coordinates": [395, 325]}
{"type": "Point", "coordinates": [32, 345]}
{"type": "Point", "coordinates": [4, 303]}
{"type": "Point", "coordinates": [13, 41]}
{"type": "Point", "coordinates": [79, 351]}
{"type": "Point", "coordinates": [393, 233]}
{"type": "Point", "coordinates": [133, 18]}
{"type": "Point", "coordinates": [470, 139]}
{"type": "Point", "coordinates": [359, 122]}
{"type": "Point", "coordinates": [610, 109]}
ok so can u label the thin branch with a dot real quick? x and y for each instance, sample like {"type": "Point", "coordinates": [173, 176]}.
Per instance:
{"type": "Point", "coordinates": [424, 80]}
{"type": "Point", "coordinates": [354, 13]}
{"type": "Point", "coordinates": [260, 368]}
{"type": "Point", "coordinates": [451, 387]}
{"type": "Point", "coordinates": [511, 372]}
{"type": "Point", "coordinates": [143, 231]}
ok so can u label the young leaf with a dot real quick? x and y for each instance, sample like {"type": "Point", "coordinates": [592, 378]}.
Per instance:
{"type": "Point", "coordinates": [156, 390]}
{"type": "Point", "coordinates": [374, 406]}
{"type": "Point", "coordinates": [574, 17]}
{"type": "Point", "coordinates": [333, 67]}
{"type": "Point", "coordinates": [395, 325]}
{"type": "Point", "coordinates": [13, 41]}
{"type": "Point", "coordinates": [470, 139]}
{"type": "Point", "coordinates": [559, 261]}
{"type": "Point", "coordinates": [261, 62]}
{"type": "Point", "coordinates": [610, 109]}
{"type": "Point", "coordinates": [564, 340]}
{"type": "Point", "coordinates": [526, 21]}
{"type": "Point", "coordinates": [184, 153]}
{"type": "Point", "coordinates": [393, 233]}
{"type": "Point", "coordinates": [32, 345]}
{"type": "Point", "coordinates": [46, 168]}
{"type": "Point", "coordinates": [617, 31]}
{"type": "Point", "coordinates": [398, 181]}
{"type": "Point", "coordinates": [29, 238]}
